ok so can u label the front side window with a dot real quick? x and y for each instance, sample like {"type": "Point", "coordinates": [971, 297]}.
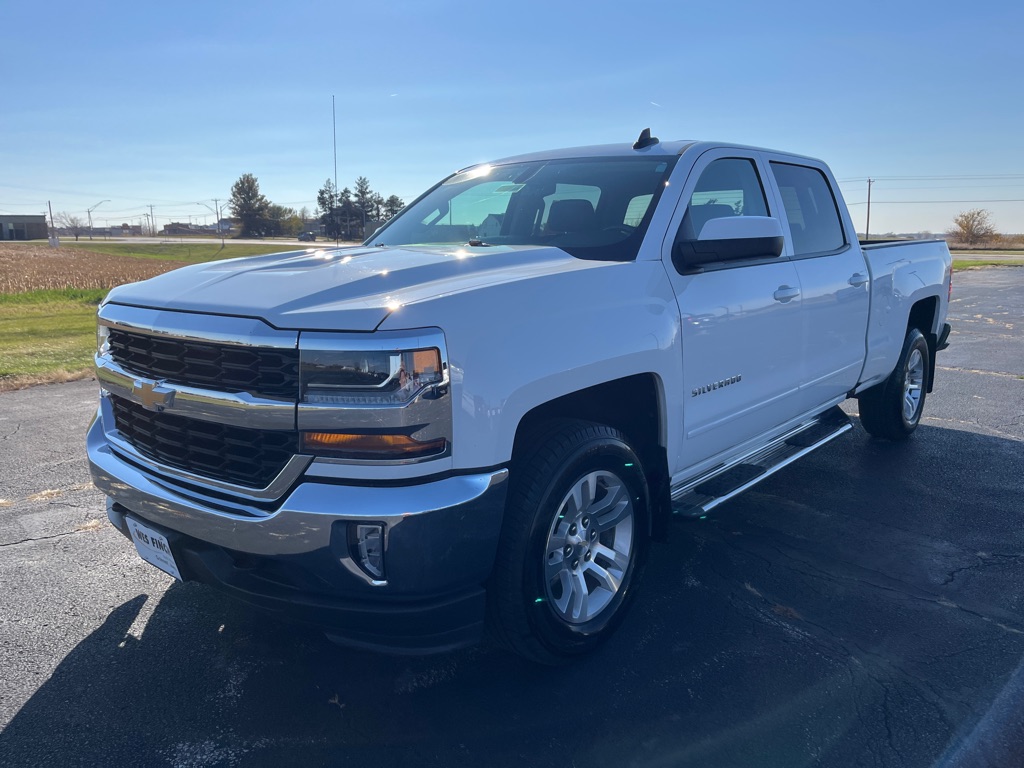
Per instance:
{"type": "Point", "coordinates": [592, 208]}
{"type": "Point", "coordinates": [726, 188]}
{"type": "Point", "coordinates": [814, 221]}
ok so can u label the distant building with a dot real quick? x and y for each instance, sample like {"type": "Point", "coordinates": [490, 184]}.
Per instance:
{"type": "Point", "coordinates": [179, 228]}
{"type": "Point", "coordinates": [23, 227]}
{"type": "Point", "coordinates": [126, 230]}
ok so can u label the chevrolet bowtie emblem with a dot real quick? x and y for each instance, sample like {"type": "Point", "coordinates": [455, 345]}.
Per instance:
{"type": "Point", "coordinates": [153, 395]}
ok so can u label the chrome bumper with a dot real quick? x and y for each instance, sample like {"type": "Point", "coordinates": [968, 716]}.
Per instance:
{"type": "Point", "coordinates": [439, 535]}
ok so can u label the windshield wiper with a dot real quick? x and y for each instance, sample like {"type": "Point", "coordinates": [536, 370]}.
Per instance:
{"type": "Point", "coordinates": [478, 244]}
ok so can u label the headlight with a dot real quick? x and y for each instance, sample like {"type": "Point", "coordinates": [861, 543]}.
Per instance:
{"type": "Point", "coordinates": [375, 398]}
{"type": "Point", "coordinates": [368, 377]}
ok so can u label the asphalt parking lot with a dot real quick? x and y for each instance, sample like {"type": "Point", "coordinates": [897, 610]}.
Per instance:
{"type": "Point", "coordinates": [864, 607]}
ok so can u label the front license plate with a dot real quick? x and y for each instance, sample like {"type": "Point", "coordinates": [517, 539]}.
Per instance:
{"type": "Point", "coordinates": [153, 548]}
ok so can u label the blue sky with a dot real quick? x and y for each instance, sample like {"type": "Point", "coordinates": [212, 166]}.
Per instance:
{"type": "Point", "coordinates": [168, 104]}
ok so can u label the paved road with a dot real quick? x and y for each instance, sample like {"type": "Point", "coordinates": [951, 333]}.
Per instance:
{"type": "Point", "coordinates": [283, 242]}
{"type": "Point", "coordinates": [864, 607]}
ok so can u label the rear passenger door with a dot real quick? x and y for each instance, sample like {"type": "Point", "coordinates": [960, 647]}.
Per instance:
{"type": "Point", "coordinates": [741, 322]}
{"type": "Point", "coordinates": [833, 281]}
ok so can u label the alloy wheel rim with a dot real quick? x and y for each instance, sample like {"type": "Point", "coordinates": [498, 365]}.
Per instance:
{"type": "Point", "coordinates": [913, 383]}
{"type": "Point", "coordinates": [589, 547]}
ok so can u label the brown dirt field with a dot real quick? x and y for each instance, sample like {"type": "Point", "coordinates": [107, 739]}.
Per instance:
{"type": "Point", "coordinates": [39, 267]}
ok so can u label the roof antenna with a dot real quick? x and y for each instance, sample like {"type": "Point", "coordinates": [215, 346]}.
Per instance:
{"type": "Point", "coordinates": [645, 140]}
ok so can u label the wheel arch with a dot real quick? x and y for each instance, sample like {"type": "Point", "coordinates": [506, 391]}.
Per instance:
{"type": "Point", "coordinates": [924, 316]}
{"type": "Point", "coordinates": [634, 405]}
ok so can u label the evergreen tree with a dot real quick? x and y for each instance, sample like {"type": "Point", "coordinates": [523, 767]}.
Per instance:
{"type": "Point", "coordinates": [327, 201]}
{"type": "Point", "coordinates": [249, 205]}
{"type": "Point", "coordinates": [392, 206]}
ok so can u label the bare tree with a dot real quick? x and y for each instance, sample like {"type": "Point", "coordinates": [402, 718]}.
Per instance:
{"type": "Point", "coordinates": [972, 227]}
{"type": "Point", "coordinates": [75, 225]}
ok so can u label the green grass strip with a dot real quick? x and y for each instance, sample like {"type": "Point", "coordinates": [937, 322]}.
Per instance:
{"type": "Point", "coordinates": [967, 263]}
{"type": "Point", "coordinates": [44, 332]}
{"type": "Point", "coordinates": [90, 296]}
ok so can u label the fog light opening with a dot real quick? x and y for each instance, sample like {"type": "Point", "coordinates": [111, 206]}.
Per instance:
{"type": "Point", "coordinates": [367, 541]}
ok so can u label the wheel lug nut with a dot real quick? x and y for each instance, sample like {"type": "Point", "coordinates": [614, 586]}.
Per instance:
{"type": "Point", "coordinates": [575, 564]}
{"type": "Point", "coordinates": [593, 535]}
{"type": "Point", "coordinates": [586, 521]}
{"type": "Point", "coordinates": [568, 550]}
{"type": "Point", "coordinates": [572, 530]}
{"type": "Point", "coordinates": [587, 557]}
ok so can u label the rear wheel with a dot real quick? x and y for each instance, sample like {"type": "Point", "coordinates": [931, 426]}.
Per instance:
{"type": "Point", "coordinates": [892, 410]}
{"type": "Point", "coordinates": [572, 545]}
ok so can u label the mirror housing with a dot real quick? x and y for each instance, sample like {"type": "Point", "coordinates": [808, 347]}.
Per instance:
{"type": "Point", "coordinates": [733, 238]}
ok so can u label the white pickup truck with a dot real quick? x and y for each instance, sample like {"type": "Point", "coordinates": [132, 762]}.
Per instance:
{"type": "Point", "coordinates": [479, 419]}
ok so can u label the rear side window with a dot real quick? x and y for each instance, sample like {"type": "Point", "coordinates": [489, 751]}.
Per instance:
{"type": "Point", "coordinates": [811, 209]}
{"type": "Point", "coordinates": [727, 187]}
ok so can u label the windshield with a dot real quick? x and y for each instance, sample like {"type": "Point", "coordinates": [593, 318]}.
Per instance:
{"type": "Point", "coordinates": [593, 208]}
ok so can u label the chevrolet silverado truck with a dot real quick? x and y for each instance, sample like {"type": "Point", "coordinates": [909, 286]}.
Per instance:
{"type": "Point", "coordinates": [478, 420]}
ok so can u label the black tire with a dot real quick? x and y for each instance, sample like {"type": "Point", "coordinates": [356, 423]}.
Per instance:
{"type": "Point", "coordinates": [885, 409]}
{"type": "Point", "coordinates": [528, 612]}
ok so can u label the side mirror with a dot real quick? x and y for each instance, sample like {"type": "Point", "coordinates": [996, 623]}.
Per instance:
{"type": "Point", "coordinates": [733, 238]}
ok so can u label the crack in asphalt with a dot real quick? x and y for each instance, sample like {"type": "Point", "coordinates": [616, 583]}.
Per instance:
{"type": "Point", "coordinates": [892, 679]}
{"type": "Point", "coordinates": [43, 538]}
{"type": "Point", "coordinates": [1013, 422]}
{"type": "Point", "coordinates": [984, 561]}
{"type": "Point", "coordinates": [898, 683]}
{"type": "Point", "coordinates": [17, 429]}
{"type": "Point", "coordinates": [884, 582]}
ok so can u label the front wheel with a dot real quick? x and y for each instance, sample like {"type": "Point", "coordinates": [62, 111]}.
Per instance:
{"type": "Point", "coordinates": [892, 410]}
{"type": "Point", "coordinates": [572, 545]}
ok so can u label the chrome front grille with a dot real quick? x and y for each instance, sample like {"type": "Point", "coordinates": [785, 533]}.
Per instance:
{"type": "Point", "coordinates": [259, 371]}
{"type": "Point", "coordinates": [247, 457]}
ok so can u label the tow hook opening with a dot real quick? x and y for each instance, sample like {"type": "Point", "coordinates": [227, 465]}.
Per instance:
{"type": "Point", "coordinates": [366, 547]}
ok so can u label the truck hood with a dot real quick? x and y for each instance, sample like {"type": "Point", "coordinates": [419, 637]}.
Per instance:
{"type": "Point", "coordinates": [351, 289]}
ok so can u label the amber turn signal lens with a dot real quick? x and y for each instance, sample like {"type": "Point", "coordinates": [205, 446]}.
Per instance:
{"type": "Point", "coordinates": [350, 446]}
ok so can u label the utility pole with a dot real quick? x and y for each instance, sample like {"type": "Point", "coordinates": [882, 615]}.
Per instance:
{"type": "Point", "coordinates": [54, 237]}
{"type": "Point", "coordinates": [216, 204]}
{"type": "Point", "coordinates": [216, 212]}
{"type": "Point", "coordinates": [152, 221]}
{"type": "Point", "coordinates": [867, 227]}
{"type": "Point", "coordinates": [336, 200]}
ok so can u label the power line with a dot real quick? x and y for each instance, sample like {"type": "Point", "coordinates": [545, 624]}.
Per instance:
{"type": "Point", "coordinates": [933, 202]}
{"type": "Point", "coordinates": [956, 186]}
{"type": "Point", "coordinates": [974, 177]}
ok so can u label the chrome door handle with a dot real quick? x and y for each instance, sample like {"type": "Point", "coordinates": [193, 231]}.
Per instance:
{"type": "Point", "coordinates": [786, 294]}
{"type": "Point", "coordinates": [857, 279]}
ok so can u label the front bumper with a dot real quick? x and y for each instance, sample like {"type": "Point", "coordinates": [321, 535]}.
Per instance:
{"type": "Point", "coordinates": [295, 559]}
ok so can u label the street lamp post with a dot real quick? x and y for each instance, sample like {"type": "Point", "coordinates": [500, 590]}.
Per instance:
{"type": "Point", "coordinates": [216, 213]}
{"type": "Point", "coordinates": [90, 210]}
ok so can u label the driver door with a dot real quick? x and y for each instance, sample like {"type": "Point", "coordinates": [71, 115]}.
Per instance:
{"type": "Point", "coordinates": [741, 321]}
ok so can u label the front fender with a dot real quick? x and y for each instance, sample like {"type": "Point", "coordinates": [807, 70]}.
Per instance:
{"type": "Point", "coordinates": [518, 345]}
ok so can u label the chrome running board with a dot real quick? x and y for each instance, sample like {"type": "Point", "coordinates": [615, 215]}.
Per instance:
{"type": "Point", "coordinates": [699, 496]}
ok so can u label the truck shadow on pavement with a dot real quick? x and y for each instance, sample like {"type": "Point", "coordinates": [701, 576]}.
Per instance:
{"type": "Point", "coordinates": [859, 607]}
